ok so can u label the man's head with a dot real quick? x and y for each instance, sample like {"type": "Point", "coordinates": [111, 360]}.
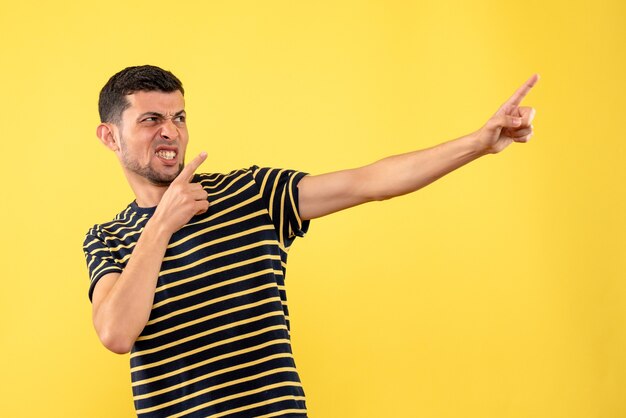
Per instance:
{"type": "Point", "coordinates": [142, 113]}
{"type": "Point", "coordinates": [113, 96]}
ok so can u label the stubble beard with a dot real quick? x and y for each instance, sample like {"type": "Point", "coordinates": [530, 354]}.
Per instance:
{"type": "Point", "coordinates": [147, 172]}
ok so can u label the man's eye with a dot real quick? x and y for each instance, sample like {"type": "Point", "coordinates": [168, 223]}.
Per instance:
{"type": "Point", "coordinates": [180, 119]}
{"type": "Point", "coordinates": [150, 119]}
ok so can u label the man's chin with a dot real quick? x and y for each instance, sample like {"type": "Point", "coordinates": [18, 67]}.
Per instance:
{"type": "Point", "coordinates": [157, 178]}
{"type": "Point", "coordinates": [160, 182]}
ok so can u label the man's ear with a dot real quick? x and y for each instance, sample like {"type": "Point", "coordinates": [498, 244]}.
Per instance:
{"type": "Point", "coordinates": [105, 132]}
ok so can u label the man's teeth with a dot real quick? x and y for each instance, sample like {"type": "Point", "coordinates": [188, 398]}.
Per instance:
{"type": "Point", "coordinates": [167, 155]}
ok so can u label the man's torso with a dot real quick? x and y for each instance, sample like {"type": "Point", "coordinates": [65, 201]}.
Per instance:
{"type": "Point", "coordinates": [217, 341]}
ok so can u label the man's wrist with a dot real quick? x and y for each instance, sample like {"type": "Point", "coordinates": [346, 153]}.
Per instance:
{"type": "Point", "coordinates": [475, 146]}
{"type": "Point", "coordinates": [157, 230]}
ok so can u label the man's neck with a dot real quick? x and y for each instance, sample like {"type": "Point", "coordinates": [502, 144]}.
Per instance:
{"type": "Point", "coordinates": [147, 195]}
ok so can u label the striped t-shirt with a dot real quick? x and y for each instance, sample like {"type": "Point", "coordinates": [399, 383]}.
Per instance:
{"type": "Point", "coordinates": [217, 342]}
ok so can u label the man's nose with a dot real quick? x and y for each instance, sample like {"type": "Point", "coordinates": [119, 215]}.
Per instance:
{"type": "Point", "coordinates": [169, 130]}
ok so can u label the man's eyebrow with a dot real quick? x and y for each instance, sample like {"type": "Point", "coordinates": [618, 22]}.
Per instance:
{"type": "Point", "coordinates": [160, 115]}
{"type": "Point", "coordinates": [157, 114]}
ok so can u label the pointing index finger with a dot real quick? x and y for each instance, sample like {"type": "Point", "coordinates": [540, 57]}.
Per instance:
{"type": "Point", "coordinates": [519, 95]}
{"type": "Point", "coordinates": [186, 175]}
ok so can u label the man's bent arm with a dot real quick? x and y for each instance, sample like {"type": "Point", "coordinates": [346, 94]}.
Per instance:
{"type": "Point", "coordinates": [122, 302]}
{"type": "Point", "coordinates": [401, 174]}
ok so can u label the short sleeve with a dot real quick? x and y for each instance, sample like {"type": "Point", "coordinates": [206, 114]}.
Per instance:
{"type": "Point", "coordinates": [99, 258]}
{"type": "Point", "coordinates": [279, 191]}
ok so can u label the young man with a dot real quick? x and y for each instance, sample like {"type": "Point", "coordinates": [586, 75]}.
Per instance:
{"type": "Point", "coordinates": [190, 276]}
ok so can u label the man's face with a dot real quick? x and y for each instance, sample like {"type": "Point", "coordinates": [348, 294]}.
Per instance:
{"type": "Point", "coordinates": [153, 136]}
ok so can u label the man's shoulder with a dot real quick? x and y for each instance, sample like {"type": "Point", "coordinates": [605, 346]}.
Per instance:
{"type": "Point", "coordinates": [213, 178]}
{"type": "Point", "coordinates": [254, 171]}
{"type": "Point", "coordinates": [215, 183]}
{"type": "Point", "coordinates": [123, 218]}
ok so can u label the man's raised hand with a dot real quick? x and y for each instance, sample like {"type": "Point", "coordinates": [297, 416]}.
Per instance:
{"type": "Point", "coordinates": [182, 199]}
{"type": "Point", "coordinates": [187, 173]}
{"type": "Point", "coordinates": [511, 123]}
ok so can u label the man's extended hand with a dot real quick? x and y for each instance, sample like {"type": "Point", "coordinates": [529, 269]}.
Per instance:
{"type": "Point", "coordinates": [183, 199]}
{"type": "Point", "coordinates": [511, 123]}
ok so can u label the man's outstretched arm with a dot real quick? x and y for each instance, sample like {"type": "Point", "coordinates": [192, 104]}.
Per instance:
{"type": "Point", "coordinates": [401, 174]}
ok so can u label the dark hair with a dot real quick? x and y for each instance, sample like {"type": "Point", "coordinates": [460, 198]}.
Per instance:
{"type": "Point", "coordinates": [113, 102]}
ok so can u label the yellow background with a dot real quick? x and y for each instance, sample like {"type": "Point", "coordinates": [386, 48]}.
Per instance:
{"type": "Point", "coordinates": [498, 291]}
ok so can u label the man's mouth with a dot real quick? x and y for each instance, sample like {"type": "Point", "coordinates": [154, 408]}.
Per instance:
{"type": "Point", "coordinates": [166, 154]}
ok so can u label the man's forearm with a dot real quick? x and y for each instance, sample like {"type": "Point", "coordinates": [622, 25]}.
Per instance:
{"type": "Point", "coordinates": [401, 174]}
